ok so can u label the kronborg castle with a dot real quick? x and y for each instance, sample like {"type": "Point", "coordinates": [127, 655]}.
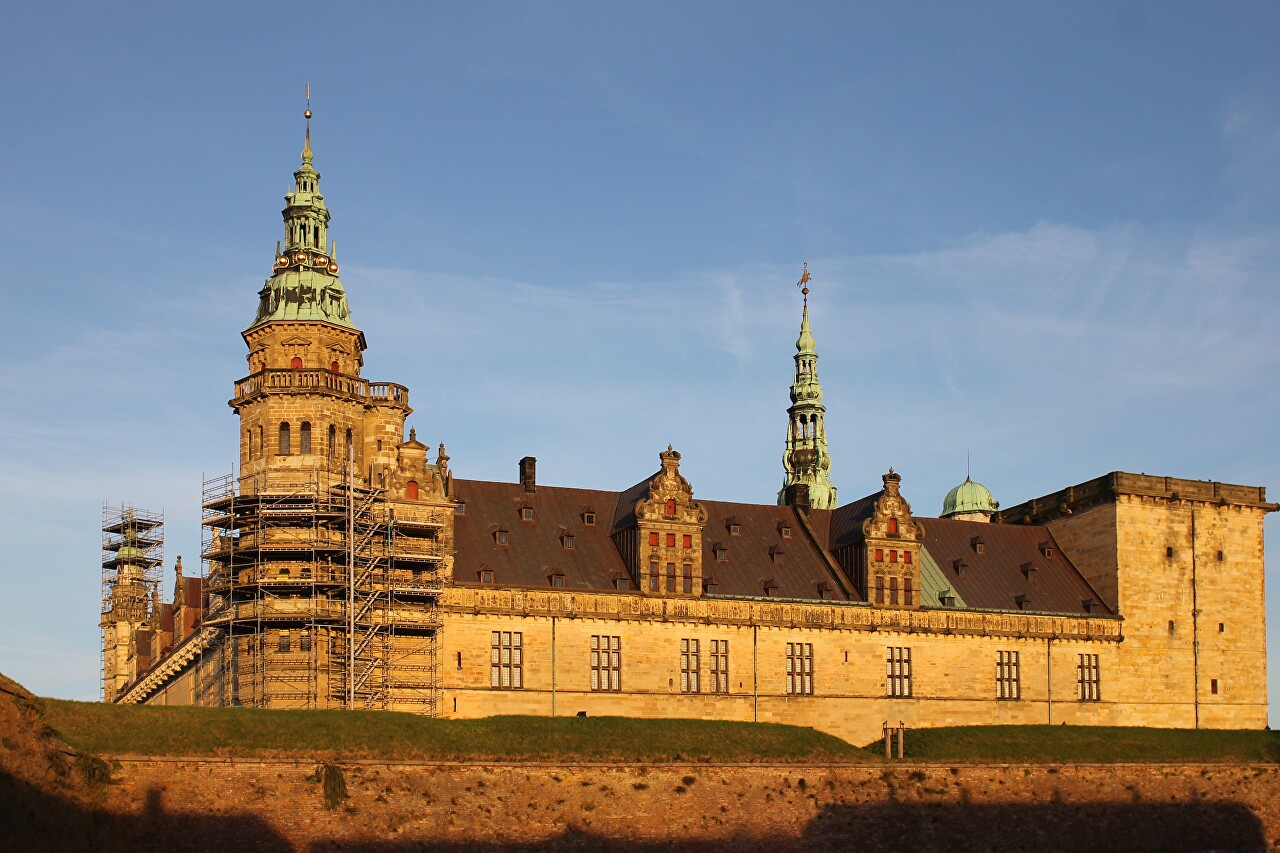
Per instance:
{"type": "Point", "coordinates": [346, 566]}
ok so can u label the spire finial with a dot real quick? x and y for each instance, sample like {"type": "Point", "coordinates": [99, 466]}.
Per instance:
{"type": "Point", "coordinates": [803, 284]}
{"type": "Point", "coordinates": [306, 150]}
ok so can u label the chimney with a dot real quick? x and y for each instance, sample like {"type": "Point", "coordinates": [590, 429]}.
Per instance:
{"type": "Point", "coordinates": [528, 473]}
{"type": "Point", "coordinates": [797, 496]}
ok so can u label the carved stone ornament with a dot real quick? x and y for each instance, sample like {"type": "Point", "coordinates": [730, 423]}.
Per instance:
{"type": "Point", "coordinates": [669, 485]}
{"type": "Point", "coordinates": [891, 507]}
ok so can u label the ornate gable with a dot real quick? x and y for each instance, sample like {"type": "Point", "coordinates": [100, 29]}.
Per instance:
{"type": "Point", "coordinates": [893, 540]}
{"type": "Point", "coordinates": [669, 523]}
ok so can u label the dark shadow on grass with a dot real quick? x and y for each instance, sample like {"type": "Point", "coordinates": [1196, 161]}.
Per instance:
{"type": "Point", "coordinates": [964, 828]}
{"type": "Point", "coordinates": [38, 821]}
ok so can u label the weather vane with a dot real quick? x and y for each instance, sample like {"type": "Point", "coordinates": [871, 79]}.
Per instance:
{"type": "Point", "coordinates": [803, 284]}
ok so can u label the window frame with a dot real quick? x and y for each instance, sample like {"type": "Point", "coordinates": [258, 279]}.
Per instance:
{"type": "Point", "coordinates": [898, 672]}
{"type": "Point", "coordinates": [610, 666]}
{"type": "Point", "coordinates": [506, 660]}
{"type": "Point", "coordinates": [800, 669]}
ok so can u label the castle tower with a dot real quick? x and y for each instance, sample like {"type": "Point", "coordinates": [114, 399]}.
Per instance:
{"type": "Point", "coordinates": [326, 554]}
{"type": "Point", "coordinates": [969, 501]}
{"type": "Point", "coordinates": [806, 460]}
{"type": "Point", "coordinates": [132, 554]}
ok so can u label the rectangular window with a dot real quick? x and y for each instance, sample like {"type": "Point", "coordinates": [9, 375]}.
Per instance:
{"type": "Point", "coordinates": [1008, 676]}
{"type": "Point", "coordinates": [893, 590]}
{"type": "Point", "coordinates": [879, 590]}
{"type": "Point", "coordinates": [1088, 683]}
{"type": "Point", "coordinates": [1213, 686]}
{"type": "Point", "coordinates": [879, 555]}
{"type": "Point", "coordinates": [719, 665]}
{"type": "Point", "coordinates": [689, 666]}
{"type": "Point", "coordinates": [653, 576]}
{"type": "Point", "coordinates": [671, 540]}
{"type": "Point", "coordinates": [282, 642]}
{"type": "Point", "coordinates": [687, 540]}
{"type": "Point", "coordinates": [606, 663]}
{"type": "Point", "coordinates": [506, 660]}
{"type": "Point", "coordinates": [688, 578]}
{"type": "Point", "coordinates": [893, 556]}
{"type": "Point", "coordinates": [907, 598]}
{"type": "Point", "coordinates": [671, 577]}
{"type": "Point", "coordinates": [653, 538]}
{"type": "Point", "coordinates": [906, 557]}
{"type": "Point", "coordinates": [898, 672]}
{"type": "Point", "coordinates": [800, 669]}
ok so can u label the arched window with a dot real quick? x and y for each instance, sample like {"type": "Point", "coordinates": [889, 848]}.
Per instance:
{"type": "Point", "coordinates": [671, 506]}
{"type": "Point", "coordinates": [335, 367]}
{"type": "Point", "coordinates": [304, 437]}
{"type": "Point", "coordinates": [333, 440]}
{"type": "Point", "coordinates": [411, 490]}
{"type": "Point", "coordinates": [296, 363]}
{"type": "Point", "coordinates": [283, 445]}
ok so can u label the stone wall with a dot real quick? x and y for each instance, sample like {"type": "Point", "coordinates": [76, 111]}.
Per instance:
{"type": "Point", "coordinates": [275, 805]}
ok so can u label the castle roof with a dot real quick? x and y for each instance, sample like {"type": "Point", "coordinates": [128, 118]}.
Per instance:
{"type": "Point", "coordinates": [1018, 567]}
{"type": "Point", "coordinates": [968, 497]}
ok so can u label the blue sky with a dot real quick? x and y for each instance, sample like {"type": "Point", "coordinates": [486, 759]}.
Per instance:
{"type": "Point", "coordinates": [1042, 234]}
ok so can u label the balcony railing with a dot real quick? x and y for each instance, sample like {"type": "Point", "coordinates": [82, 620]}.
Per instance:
{"type": "Point", "coordinates": [321, 382]}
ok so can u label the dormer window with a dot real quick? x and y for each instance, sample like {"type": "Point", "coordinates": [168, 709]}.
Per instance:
{"type": "Point", "coordinates": [824, 591]}
{"type": "Point", "coordinates": [721, 553]}
{"type": "Point", "coordinates": [784, 530]}
{"type": "Point", "coordinates": [734, 528]}
{"type": "Point", "coordinates": [622, 583]}
{"type": "Point", "coordinates": [979, 547]}
{"type": "Point", "coordinates": [1029, 571]}
{"type": "Point", "coordinates": [567, 540]}
{"type": "Point", "coordinates": [709, 586]}
{"type": "Point", "coordinates": [486, 575]}
{"type": "Point", "coordinates": [946, 598]}
{"type": "Point", "coordinates": [526, 513]}
{"type": "Point", "coordinates": [500, 537]}
{"type": "Point", "coordinates": [1089, 605]}
{"type": "Point", "coordinates": [460, 508]}
{"type": "Point", "coordinates": [589, 518]}
{"type": "Point", "coordinates": [1023, 601]}
{"type": "Point", "coordinates": [1046, 550]}
{"type": "Point", "coordinates": [556, 579]}
{"type": "Point", "coordinates": [776, 554]}
{"type": "Point", "coordinates": [961, 568]}
{"type": "Point", "coordinates": [771, 587]}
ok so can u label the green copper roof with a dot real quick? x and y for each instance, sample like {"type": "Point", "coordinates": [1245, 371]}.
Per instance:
{"type": "Point", "coordinates": [968, 497]}
{"type": "Point", "coordinates": [805, 344]}
{"type": "Point", "coordinates": [933, 583]}
{"type": "Point", "coordinates": [304, 285]}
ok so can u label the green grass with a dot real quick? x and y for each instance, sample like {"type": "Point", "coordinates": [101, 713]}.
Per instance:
{"type": "Point", "coordinates": [120, 729]}
{"type": "Point", "coordinates": [1053, 744]}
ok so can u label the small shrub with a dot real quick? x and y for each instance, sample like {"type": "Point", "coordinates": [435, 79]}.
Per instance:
{"type": "Point", "coordinates": [335, 785]}
{"type": "Point", "coordinates": [689, 780]}
{"type": "Point", "coordinates": [93, 771]}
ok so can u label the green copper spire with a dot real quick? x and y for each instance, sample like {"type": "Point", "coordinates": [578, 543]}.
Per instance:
{"type": "Point", "coordinates": [304, 284]}
{"type": "Point", "coordinates": [806, 460]}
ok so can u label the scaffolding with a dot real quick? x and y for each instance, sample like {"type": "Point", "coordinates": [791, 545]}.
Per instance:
{"type": "Point", "coordinates": [321, 595]}
{"type": "Point", "coordinates": [132, 570]}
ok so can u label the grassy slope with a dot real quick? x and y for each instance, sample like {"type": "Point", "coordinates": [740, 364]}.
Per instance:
{"type": "Point", "coordinates": [1049, 744]}
{"type": "Point", "coordinates": [114, 729]}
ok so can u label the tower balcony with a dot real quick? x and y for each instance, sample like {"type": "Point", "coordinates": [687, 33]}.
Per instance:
{"type": "Point", "coordinates": [318, 381]}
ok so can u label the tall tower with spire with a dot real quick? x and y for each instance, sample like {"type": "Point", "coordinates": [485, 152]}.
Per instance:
{"type": "Point", "coordinates": [326, 554]}
{"type": "Point", "coordinates": [806, 460]}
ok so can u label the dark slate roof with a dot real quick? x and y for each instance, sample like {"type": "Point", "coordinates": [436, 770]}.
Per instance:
{"type": "Point", "coordinates": [750, 561]}
{"type": "Point", "coordinates": [843, 525]}
{"type": "Point", "coordinates": [996, 578]}
{"type": "Point", "coordinates": [535, 548]}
